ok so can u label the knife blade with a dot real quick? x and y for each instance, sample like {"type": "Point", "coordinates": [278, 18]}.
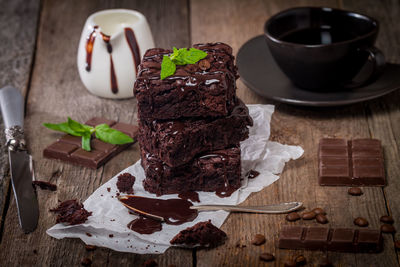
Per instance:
{"type": "Point", "coordinates": [21, 168]}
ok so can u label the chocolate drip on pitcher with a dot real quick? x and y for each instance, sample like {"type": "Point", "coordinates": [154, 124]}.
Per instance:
{"type": "Point", "coordinates": [133, 45]}
{"type": "Point", "coordinates": [89, 48]}
{"type": "Point", "coordinates": [114, 83]}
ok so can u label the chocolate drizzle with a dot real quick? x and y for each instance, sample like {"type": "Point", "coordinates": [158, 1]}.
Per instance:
{"type": "Point", "coordinates": [89, 48]}
{"type": "Point", "coordinates": [113, 77]}
{"type": "Point", "coordinates": [133, 45]}
{"type": "Point", "coordinates": [173, 211]}
{"type": "Point", "coordinates": [143, 225]}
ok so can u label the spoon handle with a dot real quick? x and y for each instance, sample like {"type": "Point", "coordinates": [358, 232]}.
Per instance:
{"type": "Point", "coordinates": [271, 209]}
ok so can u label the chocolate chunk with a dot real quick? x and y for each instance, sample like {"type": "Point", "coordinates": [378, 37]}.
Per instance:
{"type": "Point", "coordinates": [308, 215]}
{"type": "Point", "coordinates": [320, 218]}
{"type": "Point", "coordinates": [319, 211]}
{"type": "Point", "coordinates": [387, 219]}
{"type": "Point", "coordinates": [150, 263]}
{"type": "Point", "coordinates": [355, 191]}
{"type": "Point", "coordinates": [267, 257]}
{"type": "Point", "coordinates": [293, 216]}
{"type": "Point", "coordinates": [332, 239]}
{"type": "Point", "coordinates": [388, 228]}
{"type": "Point", "coordinates": [300, 260]}
{"type": "Point", "coordinates": [258, 239]}
{"type": "Point", "coordinates": [203, 234]}
{"type": "Point", "coordinates": [125, 183]}
{"type": "Point", "coordinates": [204, 64]}
{"type": "Point", "coordinates": [45, 185]}
{"type": "Point", "coordinates": [90, 247]}
{"type": "Point", "coordinates": [361, 222]}
{"type": "Point", "coordinates": [68, 148]}
{"type": "Point", "coordinates": [356, 162]}
{"type": "Point", "coordinates": [71, 212]}
{"type": "Point", "coordinates": [86, 262]}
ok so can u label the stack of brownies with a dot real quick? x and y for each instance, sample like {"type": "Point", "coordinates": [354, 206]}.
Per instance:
{"type": "Point", "coordinates": [191, 123]}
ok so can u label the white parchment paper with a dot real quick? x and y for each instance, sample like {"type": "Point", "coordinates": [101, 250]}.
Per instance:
{"type": "Point", "coordinates": [110, 217]}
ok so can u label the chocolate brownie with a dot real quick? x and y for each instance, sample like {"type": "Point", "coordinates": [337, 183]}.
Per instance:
{"type": "Point", "coordinates": [208, 172]}
{"type": "Point", "coordinates": [204, 89]}
{"type": "Point", "coordinates": [177, 142]}
{"type": "Point", "coordinates": [203, 234]}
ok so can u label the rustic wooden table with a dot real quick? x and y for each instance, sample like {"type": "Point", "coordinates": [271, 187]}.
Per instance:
{"type": "Point", "coordinates": [38, 55]}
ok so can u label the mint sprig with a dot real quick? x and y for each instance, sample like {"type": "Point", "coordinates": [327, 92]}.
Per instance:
{"type": "Point", "coordinates": [180, 56]}
{"type": "Point", "coordinates": [102, 131]}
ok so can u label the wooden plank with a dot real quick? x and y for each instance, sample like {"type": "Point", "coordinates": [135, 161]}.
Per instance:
{"type": "Point", "coordinates": [384, 114]}
{"type": "Point", "coordinates": [57, 92]}
{"type": "Point", "coordinates": [235, 22]}
{"type": "Point", "coordinates": [18, 23]}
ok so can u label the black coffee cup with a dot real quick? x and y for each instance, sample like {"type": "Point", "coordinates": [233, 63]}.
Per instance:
{"type": "Point", "coordinates": [324, 48]}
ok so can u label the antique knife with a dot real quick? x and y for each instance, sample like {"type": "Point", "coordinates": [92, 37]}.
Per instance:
{"type": "Point", "coordinates": [12, 108]}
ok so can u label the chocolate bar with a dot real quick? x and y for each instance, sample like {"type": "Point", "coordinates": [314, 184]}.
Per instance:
{"type": "Point", "coordinates": [354, 163]}
{"type": "Point", "coordinates": [332, 239]}
{"type": "Point", "coordinates": [68, 147]}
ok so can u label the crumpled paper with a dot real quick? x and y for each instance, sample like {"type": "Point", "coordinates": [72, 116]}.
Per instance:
{"type": "Point", "coordinates": [107, 227]}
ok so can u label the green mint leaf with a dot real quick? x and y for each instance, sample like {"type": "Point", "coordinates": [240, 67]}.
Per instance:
{"type": "Point", "coordinates": [194, 55]}
{"type": "Point", "coordinates": [62, 127]}
{"type": "Point", "coordinates": [86, 141]}
{"type": "Point", "coordinates": [112, 136]}
{"type": "Point", "coordinates": [167, 67]}
{"type": "Point", "coordinates": [178, 57]}
{"type": "Point", "coordinates": [77, 127]}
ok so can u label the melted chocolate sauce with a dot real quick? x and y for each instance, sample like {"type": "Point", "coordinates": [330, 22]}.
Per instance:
{"type": "Point", "coordinates": [89, 48]}
{"type": "Point", "coordinates": [143, 225]}
{"type": "Point", "coordinates": [174, 211]}
{"type": "Point", "coordinates": [225, 191]}
{"type": "Point", "coordinates": [190, 195]}
{"type": "Point", "coordinates": [133, 45]}
{"type": "Point", "coordinates": [252, 174]}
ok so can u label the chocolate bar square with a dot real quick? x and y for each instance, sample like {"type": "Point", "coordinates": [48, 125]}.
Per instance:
{"type": "Point", "coordinates": [356, 162]}
{"type": "Point", "coordinates": [68, 147]}
{"type": "Point", "coordinates": [316, 238]}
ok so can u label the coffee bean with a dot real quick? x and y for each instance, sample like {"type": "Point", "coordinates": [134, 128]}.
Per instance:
{"type": "Point", "coordinates": [293, 216]}
{"type": "Point", "coordinates": [290, 263]}
{"type": "Point", "coordinates": [86, 262]}
{"type": "Point", "coordinates": [388, 228]}
{"type": "Point", "coordinates": [355, 191]}
{"type": "Point", "coordinates": [397, 244]}
{"type": "Point", "coordinates": [300, 260]}
{"type": "Point", "coordinates": [308, 215]}
{"type": "Point", "coordinates": [319, 211]}
{"type": "Point", "coordinates": [321, 219]}
{"type": "Point", "coordinates": [267, 257]}
{"type": "Point", "coordinates": [90, 247]}
{"type": "Point", "coordinates": [361, 222]}
{"type": "Point", "coordinates": [258, 239]}
{"type": "Point", "coordinates": [324, 262]}
{"type": "Point", "coordinates": [387, 219]}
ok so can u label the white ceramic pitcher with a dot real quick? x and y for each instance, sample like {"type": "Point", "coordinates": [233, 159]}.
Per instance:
{"type": "Point", "coordinates": [110, 49]}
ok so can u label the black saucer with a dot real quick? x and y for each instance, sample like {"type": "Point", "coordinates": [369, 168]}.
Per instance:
{"type": "Point", "coordinates": [261, 74]}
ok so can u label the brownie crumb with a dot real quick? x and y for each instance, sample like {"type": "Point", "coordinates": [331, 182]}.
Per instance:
{"type": "Point", "coordinates": [204, 234]}
{"type": "Point", "coordinates": [45, 185]}
{"type": "Point", "coordinates": [110, 235]}
{"type": "Point", "coordinates": [86, 262]}
{"type": "Point", "coordinates": [150, 263]}
{"type": "Point", "coordinates": [35, 251]}
{"type": "Point", "coordinates": [89, 234]}
{"type": "Point", "coordinates": [125, 183]}
{"type": "Point", "coordinates": [71, 212]}
{"type": "Point", "coordinates": [240, 245]}
{"type": "Point", "coordinates": [108, 189]}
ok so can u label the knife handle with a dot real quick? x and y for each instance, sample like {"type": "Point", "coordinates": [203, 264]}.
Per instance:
{"type": "Point", "coordinates": [12, 107]}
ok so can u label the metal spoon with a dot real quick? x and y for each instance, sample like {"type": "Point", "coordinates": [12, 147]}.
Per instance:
{"type": "Point", "coordinates": [270, 209]}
